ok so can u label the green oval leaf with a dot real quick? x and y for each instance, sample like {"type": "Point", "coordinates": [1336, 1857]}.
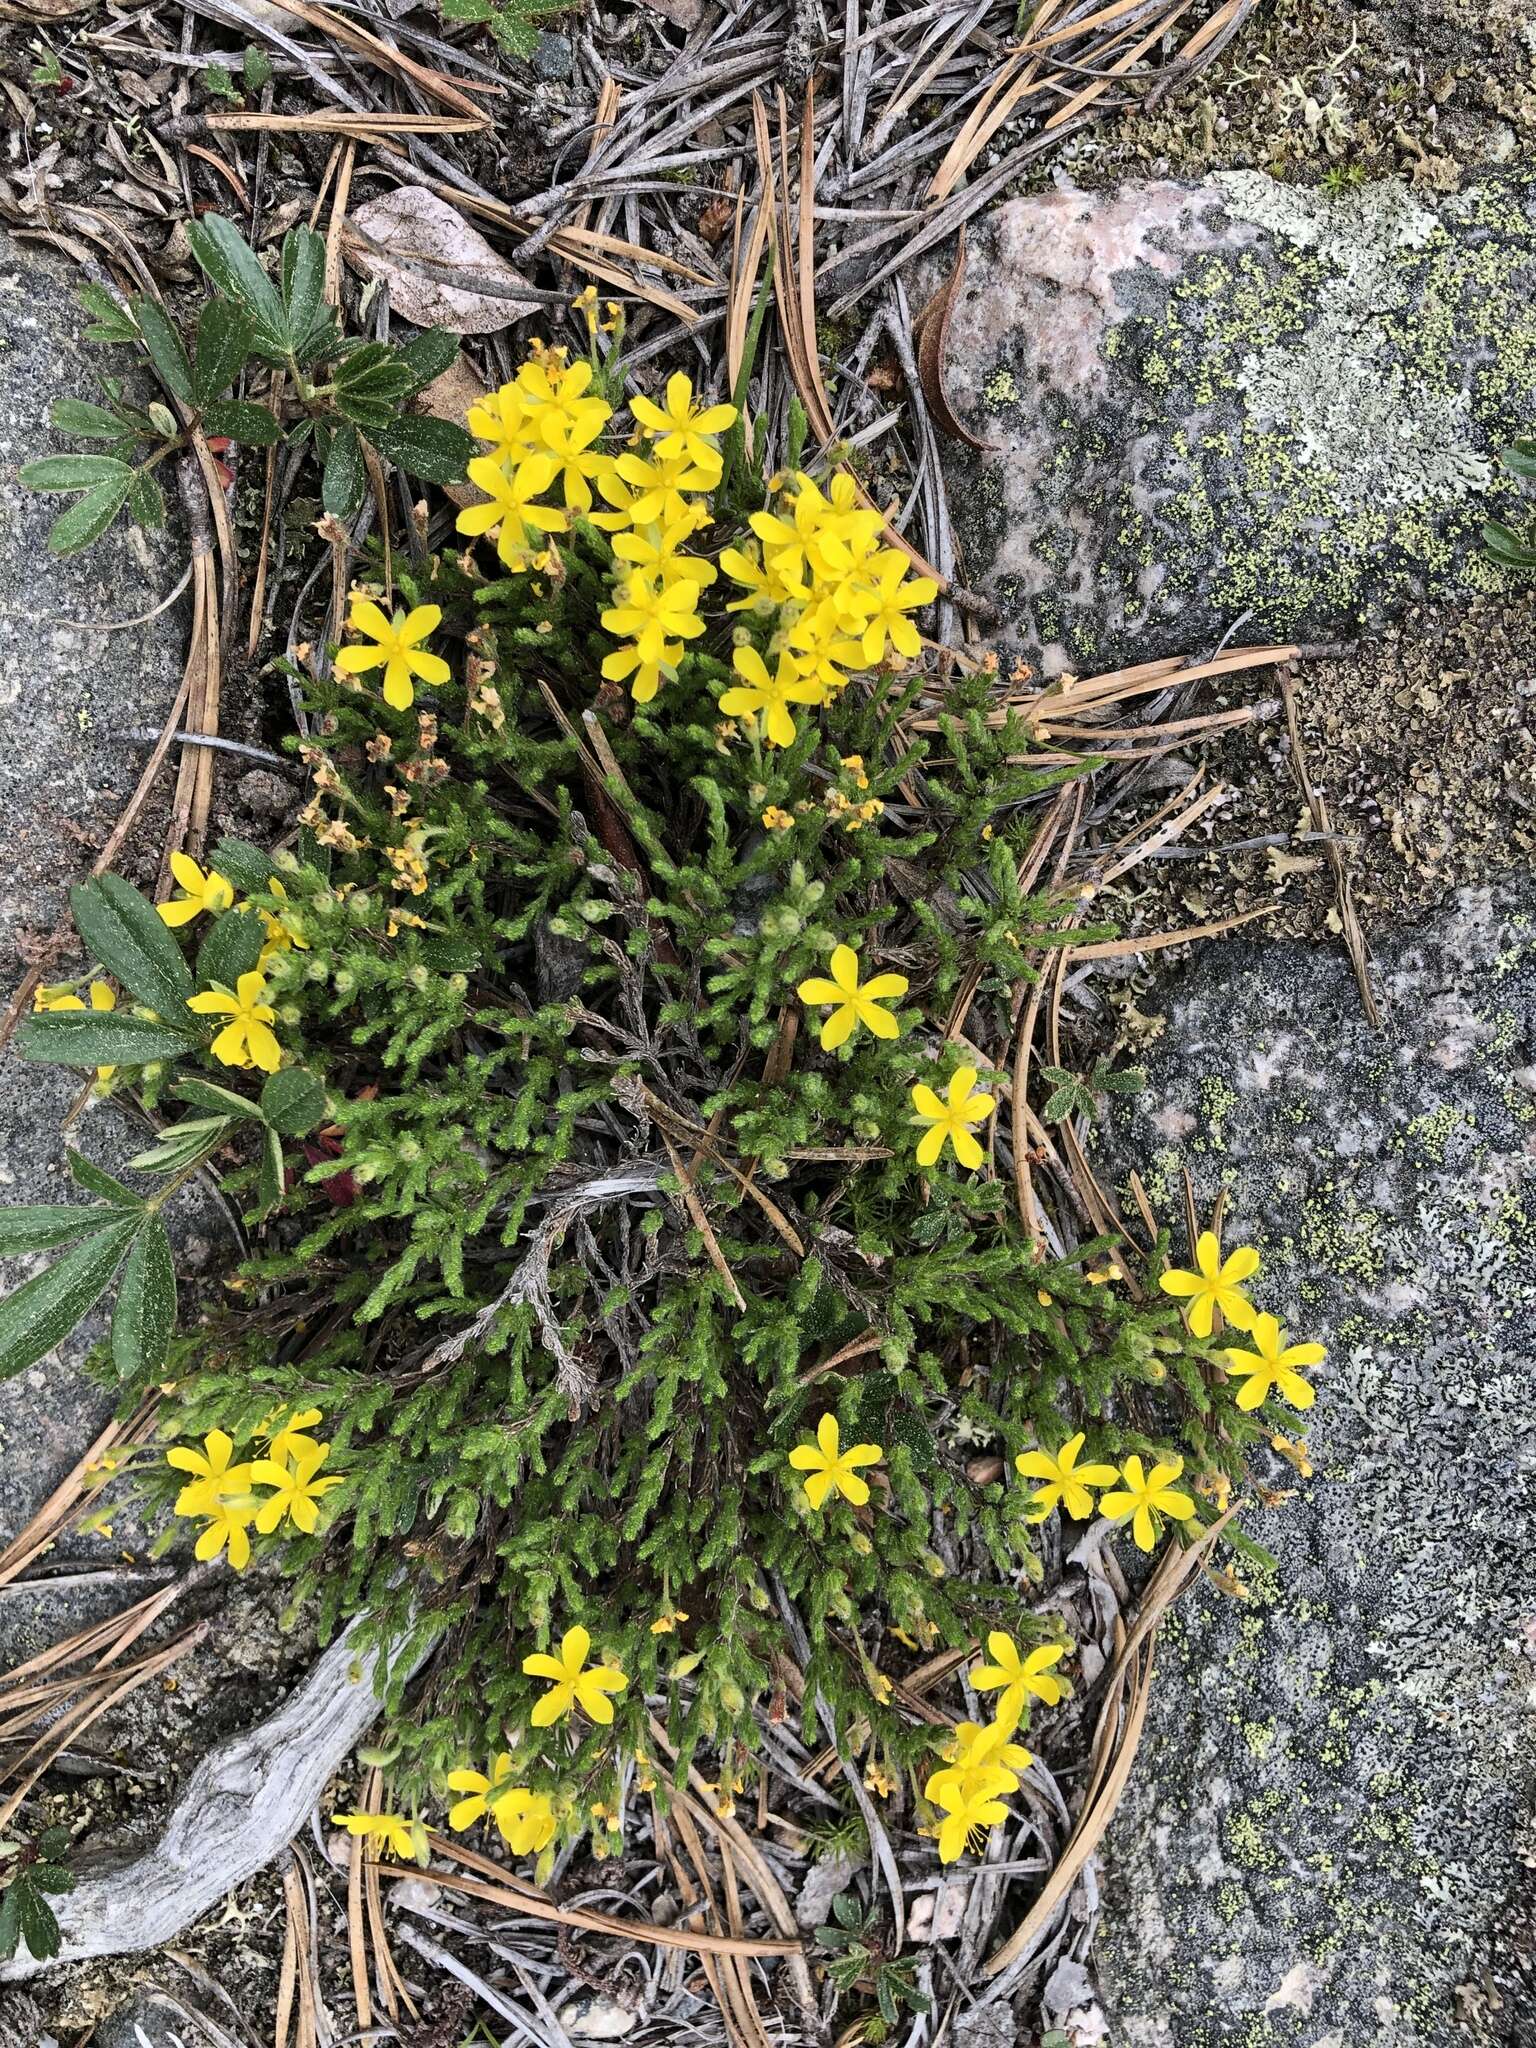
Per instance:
{"type": "Point", "coordinates": [145, 1314]}
{"type": "Point", "coordinates": [74, 472]}
{"type": "Point", "coordinates": [221, 349]}
{"type": "Point", "coordinates": [233, 269]}
{"type": "Point", "coordinates": [293, 1101]}
{"type": "Point", "coordinates": [345, 479]}
{"type": "Point", "coordinates": [133, 941]}
{"type": "Point", "coordinates": [436, 450]}
{"type": "Point", "coordinates": [166, 349]}
{"type": "Point", "coordinates": [79, 416]}
{"type": "Point", "coordinates": [103, 1038]}
{"type": "Point", "coordinates": [232, 948]}
{"type": "Point", "coordinates": [89, 517]}
{"type": "Point", "coordinates": [44, 1226]}
{"type": "Point", "coordinates": [42, 1313]}
{"type": "Point", "coordinates": [240, 420]}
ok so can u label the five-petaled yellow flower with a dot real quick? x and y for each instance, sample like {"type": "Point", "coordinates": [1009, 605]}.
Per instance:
{"type": "Point", "coordinates": [196, 892]}
{"type": "Point", "coordinates": [525, 1819]}
{"type": "Point", "coordinates": [1066, 1482]}
{"type": "Point", "coordinates": [827, 1466]}
{"type": "Point", "coordinates": [217, 1493]}
{"type": "Point", "coordinates": [300, 1488]}
{"type": "Point", "coordinates": [246, 1040]}
{"type": "Point", "coordinates": [284, 1432]}
{"type": "Point", "coordinates": [683, 429]}
{"type": "Point", "coordinates": [1217, 1285]}
{"type": "Point", "coordinates": [1017, 1676]}
{"type": "Point", "coordinates": [951, 1119]}
{"type": "Point", "coordinates": [395, 1835]}
{"type": "Point", "coordinates": [852, 1002]}
{"type": "Point", "coordinates": [397, 649]}
{"type": "Point", "coordinates": [1146, 1495]}
{"type": "Point", "coordinates": [971, 1806]}
{"type": "Point", "coordinates": [522, 527]}
{"type": "Point", "coordinates": [977, 1747]}
{"type": "Point", "coordinates": [574, 1682]}
{"type": "Point", "coordinates": [768, 697]}
{"type": "Point", "coordinates": [1271, 1366]}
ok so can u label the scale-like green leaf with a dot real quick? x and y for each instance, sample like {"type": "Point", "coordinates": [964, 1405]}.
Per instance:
{"type": "Point", "coordinates": [102, 1038]}
{"type": "Point", "coordinates": [145, 1314]}
{"type": "Point", "coordinates": [74, 472]}
{"type": "Point", "coordinates": [435, 450]}
{"type": "Point", "coordinates": [166, 350]}
{"type": "Point", "coordinates": [293, 1101]}
{"type": "Point", "coordinates": [44, 1226]}
{"type": "Point", "coordinates": [131, 940]}
{"type": "Point", "coordinates": [345, 479]}
{"type": "Point", "coordinates": [221, 349]}
{"type": "Point", "coordinates": [42, 1313]}
{"type": "Point", "coordinates": [232, 947]}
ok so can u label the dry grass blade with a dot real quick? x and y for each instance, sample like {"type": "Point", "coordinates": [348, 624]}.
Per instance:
{"type": "Point", "coordinates": [701, 1223]}
{"type": "Point", "coordinates": [1115, 1752]}
{"type": "Point", "coordinates": [931, 332]}
{"type": "Point", "coordinates": [360, 127]}
{"type": "Point", "coordinates": [55, 1512]}
{"type": "Point", "coordinates": [501, 1888]}
{"type": "Point", "coordinates": [1344, 895]}
{"type": "Point", "coordinates": [340, 30]}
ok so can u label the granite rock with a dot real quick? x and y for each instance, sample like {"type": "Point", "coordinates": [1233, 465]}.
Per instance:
{"type": "Point", "coordinates": [67, 693]}
{"type": "Point", "coordinates": [1237, 404]}
{"type": "Point", "coordinates": [1329, 1832]}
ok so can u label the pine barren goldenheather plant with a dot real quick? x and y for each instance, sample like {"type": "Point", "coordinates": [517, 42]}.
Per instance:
{"type": "Point", "coordinates": [644, 1315]}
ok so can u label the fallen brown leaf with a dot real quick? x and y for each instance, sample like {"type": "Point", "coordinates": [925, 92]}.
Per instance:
{"type": "Point", "coordinates": [932, 335]}
{"type": "Point", "coordinates": [441, 272]}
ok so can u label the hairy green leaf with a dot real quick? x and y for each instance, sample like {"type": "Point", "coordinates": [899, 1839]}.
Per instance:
{"type": "Point", "coordinates": [73, 472]}
{"type": "Point", "coordinates": [145, 1313]}
{"type": "Point", "coordinates": [293, 1101]}
{"type": "Point", "coordinates": [433, 449]}
{"type": "Point", "coordinates": [131, 940]}
{"type": "Point", "coordinates": [89, 517]}
{"type": "Point", "coordinates": [42, 1313]}
{"type": "Point", "coordinates": [103, 1038]}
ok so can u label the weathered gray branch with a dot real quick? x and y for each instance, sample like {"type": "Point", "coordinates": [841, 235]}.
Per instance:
{"type": "Point", "coordinates": [242, 1806]}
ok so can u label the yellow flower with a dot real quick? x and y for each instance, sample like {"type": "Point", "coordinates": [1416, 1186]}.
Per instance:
{"type": "Point", "coordinates": [822, 647]}
{"type": "Point", "coordinates": [830, 1467]}
{"type": "Point", "coordinates": [573, 1681]}
{"type": "Point", "coordinates": [970, 1808]}
{"type": "Point", "coordinates": [283, 1429]}
{"type": "Point", "coordinates": [246, 1040]}
{"type": "Point", "coordinates": [665, 1624]}
{"type": "Point", "coordinates": [655, 548]}
{"type": "Point", "coordinates": [775, 820]}
{"type": "Point", "coordinates": [396, 1835]}
{"type": "Point", "coordinates": [1066, 1482]}
{"type": "Point", "coordinates": [951, 1119]}
{"type": "Point", "coordinates": [1217, 1285]}
{"type": "Point", "coordinates": [653, 493]}
{"type": "Point", "coordinates": [481, 1792]}
{"type": "Point", "coordinates": [1018, 1677]}
{"type": "Point", "coordinates": [1147, 1495]}
{"type": "Point", "coordinates": [653, 613]}
{"type": "Point", "coordinates": [893, 596]}
{"type": "Point", "coordinates": [197, 892]}
{"type": "Point", "coordinates": [853, 1002]}
{"type": "Point", "coordinates": [684, 428]}
{"type": "Point", "coordinates": [218, 1494]}
{"type": "Point", "coordinates": [765, 589]}
{"type": "Point", "coordinates": [521, 527]}
{"type": "Point", "coordinates": [577, 461]}
{"type": "Point", "coordinates": [61, 997]}
{"type": "Point", "coordinates": [557, 402]}
{"type": "Point", "coordinates": [1272, 1366]}
{"type": "Point", "coordinates": [503, 418]}
{"type": "Point", "coordinates": [526, 1820]}
{"type": "Point", "coordinates": [770, 696]}
{"type": "Point", "coordinates": [978, 1748]}
{"type": "Point", "coordinates": [397, 649]}
{"type": "Point", "coordinates": [283, 935]}
{"type": "Point", "coordinates": [646, 676]}
{"type": "Point", "coordinates": [299, 1489]}
{"type": "Point", "coordinates": [212, 1473]}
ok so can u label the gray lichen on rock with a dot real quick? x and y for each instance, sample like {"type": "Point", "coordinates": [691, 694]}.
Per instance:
{"type": "Point", "coordinates": [1330, 1817]}
{"type": "Point", "coordinates": [1238, 397]}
